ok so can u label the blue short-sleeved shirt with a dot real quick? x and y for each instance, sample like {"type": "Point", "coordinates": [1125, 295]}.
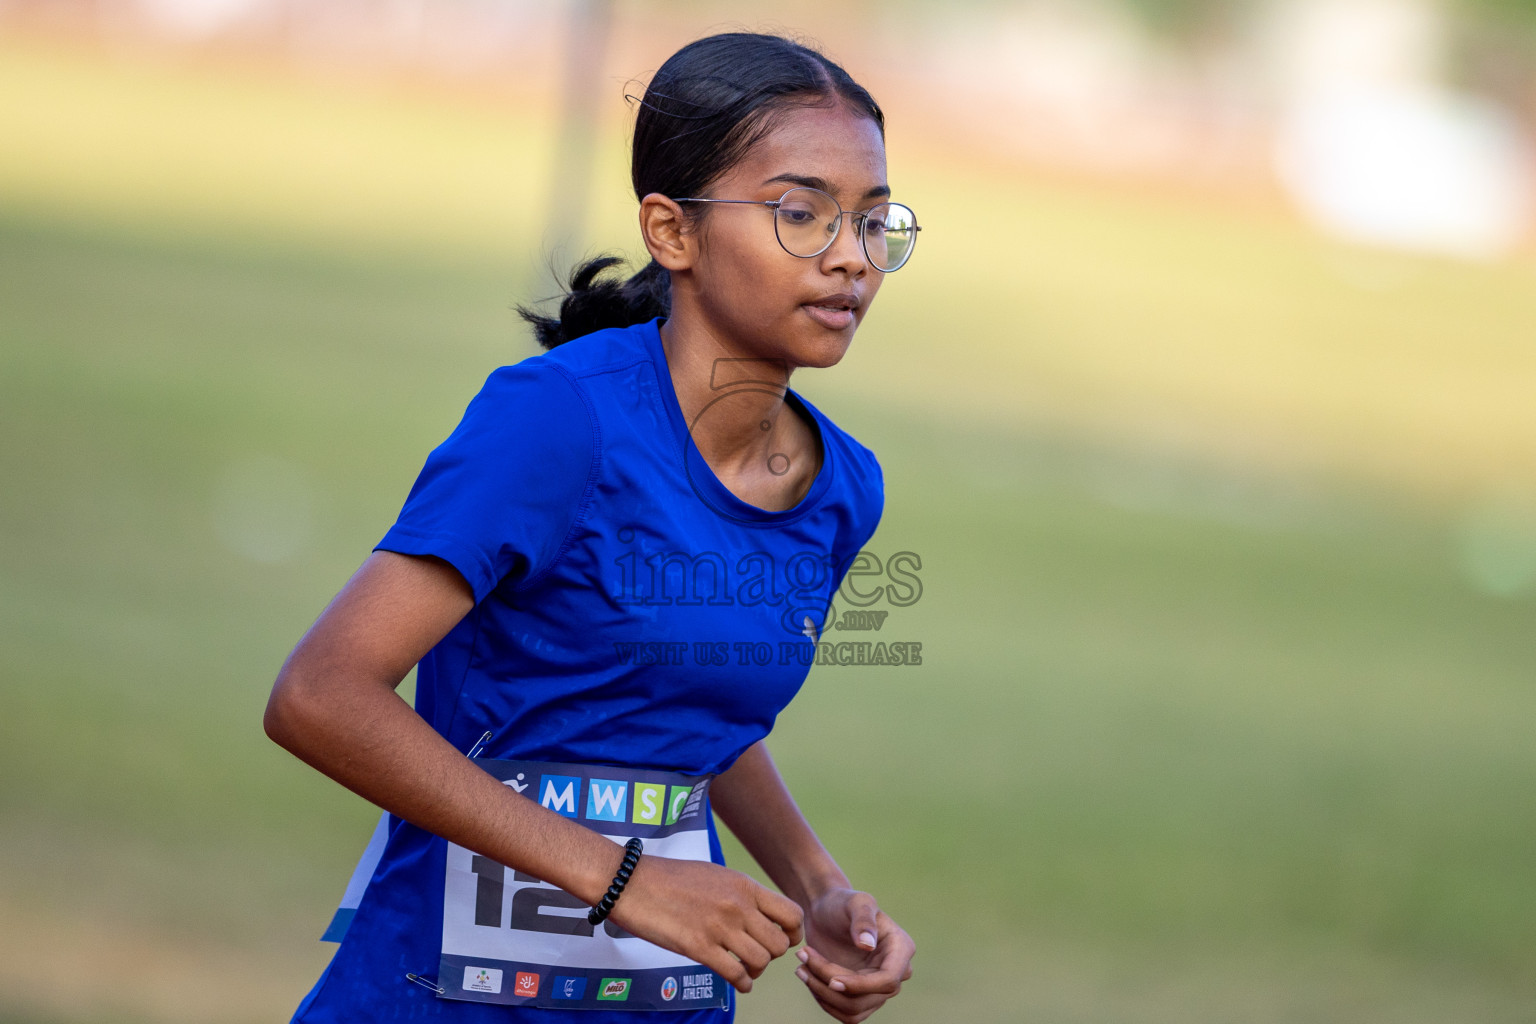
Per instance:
{"type": "Point", "coordinates": [629, 610]}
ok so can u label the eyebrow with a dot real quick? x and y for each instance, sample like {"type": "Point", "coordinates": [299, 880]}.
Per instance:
{"type": "Point", "coordinates": [811, 181]}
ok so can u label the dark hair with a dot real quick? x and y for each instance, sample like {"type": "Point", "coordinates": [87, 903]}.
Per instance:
{"type": "Point", "coordinates": [710, 103]}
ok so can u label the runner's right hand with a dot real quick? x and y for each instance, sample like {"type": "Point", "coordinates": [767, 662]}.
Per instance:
{"type": "Point", "coordinates": [711, 914]}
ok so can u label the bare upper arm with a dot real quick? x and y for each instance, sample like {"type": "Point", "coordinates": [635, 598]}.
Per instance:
{"type": "Point", "coordinates": [392, 611]}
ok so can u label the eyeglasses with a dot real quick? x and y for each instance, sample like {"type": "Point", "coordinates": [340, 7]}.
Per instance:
{"type": "Point", "coordinates": [807, 222]}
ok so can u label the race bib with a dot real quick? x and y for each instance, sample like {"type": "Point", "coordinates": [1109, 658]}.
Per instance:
{"type": "Point", "coordinates": [511, 938]}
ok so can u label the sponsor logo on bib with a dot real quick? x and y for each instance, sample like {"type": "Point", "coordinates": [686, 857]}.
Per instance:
{"type": "Point", "coordinates": [695, 802]}
{"type": "Point", "coordinates": [482, 979]}
{"type": "Point", "coordinates": [607, 800]}
{"type": "Point", "coordinates": [569, 988]}
{"type": "Point", "coordinates": [527, 984]}
{"type": "Point", "coordinates": [616, 989]}
{"type": "Point", "coordinates": [669, 989]}
{"type": "Point", "coordinates": [559, 793]}
{"type": "Point", "coordinates": [650, 803]}
{"type": "Point", "coordinates": [698, 986]}
{"type": "Point", "coordinates": [676, 801]}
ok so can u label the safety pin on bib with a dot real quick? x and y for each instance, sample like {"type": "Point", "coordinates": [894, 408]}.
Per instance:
{"type": "Point", "coordinates": [425, 983]}
{"type": "Point", "coordinates": [479, 745]}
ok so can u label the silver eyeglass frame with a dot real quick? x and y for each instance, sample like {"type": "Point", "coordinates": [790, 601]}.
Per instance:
{"type": "Point", "coordinates": [774, 204]}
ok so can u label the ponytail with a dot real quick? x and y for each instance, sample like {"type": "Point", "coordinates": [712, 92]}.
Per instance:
{"type": "Point", "coordinates": [593, 304]}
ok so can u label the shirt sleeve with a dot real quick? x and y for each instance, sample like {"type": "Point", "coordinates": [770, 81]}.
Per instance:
{"type": "Point", "coordinates": [500, 496]}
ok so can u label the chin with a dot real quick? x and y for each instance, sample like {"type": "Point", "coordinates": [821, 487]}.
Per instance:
{"type": "Point", "coordinates": [825, 351]}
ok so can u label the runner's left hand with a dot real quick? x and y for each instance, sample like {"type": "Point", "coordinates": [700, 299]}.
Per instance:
{"type": "Point", "coordinates": [855, 957]}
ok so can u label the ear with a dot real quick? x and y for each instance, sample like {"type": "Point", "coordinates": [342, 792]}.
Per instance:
{"type": "Point", "coordinates": [664, 227]}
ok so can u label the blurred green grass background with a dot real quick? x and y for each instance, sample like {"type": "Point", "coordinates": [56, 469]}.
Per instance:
{"type": "Point", "coordinates": [1212, 724]}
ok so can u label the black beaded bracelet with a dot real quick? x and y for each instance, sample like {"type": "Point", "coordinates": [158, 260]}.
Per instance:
{"type": "Point", "coordinates": [605, 905]}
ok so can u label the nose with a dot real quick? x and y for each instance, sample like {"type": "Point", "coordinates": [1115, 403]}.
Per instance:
{"type": "Point", "coordinates": [846, 253]}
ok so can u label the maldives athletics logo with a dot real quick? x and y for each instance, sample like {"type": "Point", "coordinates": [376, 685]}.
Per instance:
{"type": "Point", "coordinates": [669, 989]}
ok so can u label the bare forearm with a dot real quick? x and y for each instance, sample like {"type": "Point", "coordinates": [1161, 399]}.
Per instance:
{"type": "Point", "coordinates": [755, 804]}
{"type": "Point", "coordinates": [368, 739]}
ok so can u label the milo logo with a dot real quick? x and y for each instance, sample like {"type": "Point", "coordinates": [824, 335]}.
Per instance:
{"type": "Point", "coordinates": [615, 989]}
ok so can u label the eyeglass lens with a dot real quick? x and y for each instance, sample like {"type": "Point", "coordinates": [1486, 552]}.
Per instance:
{"type": "Point", "coordinates": [807, 221]}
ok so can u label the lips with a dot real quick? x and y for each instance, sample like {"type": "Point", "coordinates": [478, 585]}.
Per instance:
{"type": "Point", "coordinates": [839, 301]}
{"type": "Point", "coordinates": [834, 312]}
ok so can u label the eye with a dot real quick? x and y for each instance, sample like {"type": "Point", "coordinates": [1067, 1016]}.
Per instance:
{"type": "Point", "coordinates": [797, 216]}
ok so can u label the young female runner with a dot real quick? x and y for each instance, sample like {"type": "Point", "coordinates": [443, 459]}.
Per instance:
{"type": "Point", "coordinates": [612, 576]}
